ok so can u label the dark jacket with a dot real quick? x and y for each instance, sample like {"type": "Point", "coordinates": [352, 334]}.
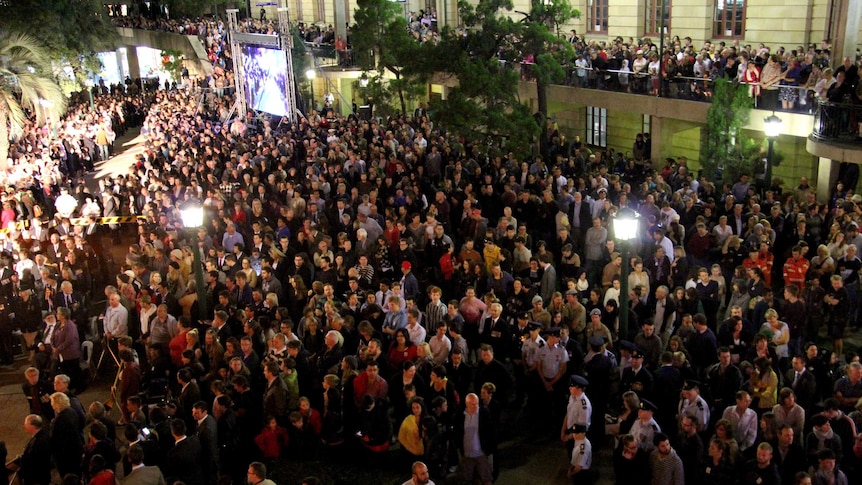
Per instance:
{"type": "Point", "coordinates": [66, 442]}
{"type": "Point", "coordinates": [487, 431]}
{"type": "Point", "coordinates": [184, 461]}
{"type": "Point", "coordinates": [37, 453]}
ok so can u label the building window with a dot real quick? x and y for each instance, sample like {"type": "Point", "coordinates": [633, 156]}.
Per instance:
{"type": "Point", "coordinates": [646, 124]}
{"type": "Point", "coordinates": [597, 15]}
{"type": "Point", "coordinates": [654, 15]}
{"type": "Point", "coordinates": [597, 127]}
{"type": "Point", "coordinates": [729, 18]}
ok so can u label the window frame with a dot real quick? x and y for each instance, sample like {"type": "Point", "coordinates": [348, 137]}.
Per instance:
{"type": "Point", "coordinates": [719, 25]}
{"type": "Point", "coordinates": [597, 10]}
{"type": "Point", "coordinates": [597, 136]}
{"type": "Point", "coordinates": [652, 22]}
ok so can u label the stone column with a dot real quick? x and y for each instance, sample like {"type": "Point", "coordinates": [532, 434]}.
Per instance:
{"type": "Point", "coordinates": [845, 30]}
{"type": "Point", "coordinates": [827, 177]}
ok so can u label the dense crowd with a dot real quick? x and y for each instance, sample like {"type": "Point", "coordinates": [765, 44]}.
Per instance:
{"type": "Point", "coordinates": [381, 288]}
{"type": "Point", "coordinates": [780, 78]}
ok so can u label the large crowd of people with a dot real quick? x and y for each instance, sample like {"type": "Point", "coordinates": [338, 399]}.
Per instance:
{"type": "Point", "coordinates": [382, 288]}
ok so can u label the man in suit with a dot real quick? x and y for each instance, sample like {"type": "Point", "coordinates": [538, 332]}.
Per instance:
{"type": "Point", "coordinates": [55, 250]}
{"type": "Point", "coordinates": [184, 459]}
{"type": "Point", "coordinates": [32, 464]}
{"type": "Point", "coordinates": [581, 219]}
{"type": "Point", "coordinates": [803, 383]}
{"type": "Point", "coordinates": [476, 439]}
{"type": "Point", "coordinates": [207, 433]}
{"type": "Point", "coordinates": [549, 279]}
{"type": "Point", "coordinates": [42, 345]}
{"type": "Point", "coordinates": [190, 393]}
{"type": "Point", "coordinates": [141, 474]}
{"type": "Point", "coordinates": [38, 392]}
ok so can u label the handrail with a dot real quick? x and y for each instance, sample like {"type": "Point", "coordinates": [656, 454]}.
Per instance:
{"type": "Point", "coordinates": [838, 122]}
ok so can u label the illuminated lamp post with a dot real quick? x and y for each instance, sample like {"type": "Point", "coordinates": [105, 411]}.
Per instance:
{"type": "Point", "coordinates": [626, 223]}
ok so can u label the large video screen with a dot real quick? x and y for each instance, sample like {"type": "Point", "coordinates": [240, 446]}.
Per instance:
{"type": "Point", "coordinates": [265, 74]}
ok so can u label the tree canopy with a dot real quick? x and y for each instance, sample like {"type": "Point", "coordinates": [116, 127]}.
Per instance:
{"type": "Point", "coordinates": [27, 87]}
{"type": "Point", "coordinates": [383, 44]}
{"type": "Point", "coordinates": [72, 31]}
{"type": "Point", "coordinates": [726, 150]}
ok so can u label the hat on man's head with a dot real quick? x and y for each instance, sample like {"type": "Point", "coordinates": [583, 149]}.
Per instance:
{"type": "Point", "coordinates": [690, 384]}
{"type": "Point", "coordinates": [406, 265]}
{"type": "Point", "coordinates": [537, 299]}
{"type": "Point", "coordinates": [597, 341]}
{"type": "Point", "coordinates": [627, 346]}
{"type": "Point", "coordinates": [595, 311]}
{"type": "Point", "coordinates": [552, 332]}
{"type": "Point", "coordinates": [646, 405]}
{"type": "Point", "coordinates": [578, 381]}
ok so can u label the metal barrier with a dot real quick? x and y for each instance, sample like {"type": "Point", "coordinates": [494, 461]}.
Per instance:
{"type": "Point", "coordinates": [678, 87]}
{"type": "Point", "coordinates": [838, 122]}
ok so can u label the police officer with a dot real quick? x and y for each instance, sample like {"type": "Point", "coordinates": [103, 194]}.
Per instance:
{"type": "Point", "coordinates": [578, 411]}
{"type": "Point", "coordinates": [693, 404]}
{"type": "Point", "coordinates": [581, 457]}
{"type": "Point", "coordinates": [527, 357]}
{"type": "Point", "coordinates": [645, 426]}
{"type": "Point", "coordinates": [519, 333]}
{"type": "Point", "coordinates": [637, 378]}
{"type": "Point", "coordinates": [551, 369]}
{"type": "Point", "coordinates": [530, 354]}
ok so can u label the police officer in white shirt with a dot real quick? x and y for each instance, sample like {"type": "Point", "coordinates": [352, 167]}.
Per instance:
{"type": "Point", "coordinates": [578, 412]}
{"type": "Point", "coordinates": [551, 370]}
{"type": "Point", "coordinates": [645, 427]}
{"type": "Point", "coordinates": [581, 458]}
{"type": "Point", "coordinates": [692, 404]}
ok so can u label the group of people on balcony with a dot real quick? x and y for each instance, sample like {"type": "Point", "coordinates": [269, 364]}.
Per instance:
{"type": "Point", "coordinates": [780, 79]}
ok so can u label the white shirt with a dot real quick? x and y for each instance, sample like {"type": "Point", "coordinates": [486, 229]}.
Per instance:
{"type": "Point", "coordinates": [416, 333]}
{"type": "Point", "coordinates": [582, 454]}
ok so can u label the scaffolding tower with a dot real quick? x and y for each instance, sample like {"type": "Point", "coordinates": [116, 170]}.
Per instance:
{"type": "Point", "coordinates": [239, 75]}
{"type": "Point", "coordinates": [287, 49]}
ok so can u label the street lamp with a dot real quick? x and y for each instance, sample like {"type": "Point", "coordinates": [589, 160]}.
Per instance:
{"type": "Point", "coordinates": [311, 74]}
{"type": "Point", "coordinates": [193, 218]}
{"type": "Point", "coordinates": [625, 223]}
{"type": "Point", "coordinates": [772, 127]}
{"type": "Point", "coordinates": [363, 81]}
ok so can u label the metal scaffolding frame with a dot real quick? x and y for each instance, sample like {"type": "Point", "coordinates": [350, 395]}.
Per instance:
{"type": "Point", "coordinates": [239, 76]}
{"type": "Point", "coordinates": [287, 49]}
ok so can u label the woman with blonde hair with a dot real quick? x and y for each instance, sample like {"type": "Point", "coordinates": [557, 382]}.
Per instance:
{"type": "Point", "coordinates": [250, 274]}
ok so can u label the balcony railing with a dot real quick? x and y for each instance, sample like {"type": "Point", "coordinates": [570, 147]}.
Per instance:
{"type": "Point", "coordinates": [678, 87]}
{"type": "Point", "coordinates": [838, 122]}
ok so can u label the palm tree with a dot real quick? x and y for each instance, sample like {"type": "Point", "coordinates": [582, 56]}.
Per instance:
{"type": "Point", "coordinates": [26, 86]}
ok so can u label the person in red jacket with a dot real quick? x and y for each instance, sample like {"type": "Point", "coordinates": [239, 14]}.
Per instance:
{"type": "Point", "coordinates": [795, 268]}
{"type": "Point", "coordinates": [272, 440]}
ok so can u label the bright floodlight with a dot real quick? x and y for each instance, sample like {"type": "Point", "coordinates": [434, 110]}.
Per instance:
{"type": "Point", "coordinates": [772, 126]}
{"type": "Point", "coordinates": [626, 225]}
{"type": "Point", "coordinates": [192, 214]}
{"type": "Point", "coordinates": [363, 82]}
{"type": "Point", "coordinates": [310, 74]}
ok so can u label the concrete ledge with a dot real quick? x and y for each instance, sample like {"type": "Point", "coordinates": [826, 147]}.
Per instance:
{"type": "Point", "coordinates": [189, 45]}
{"type": "Point", "coordinates": [835, 150]}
